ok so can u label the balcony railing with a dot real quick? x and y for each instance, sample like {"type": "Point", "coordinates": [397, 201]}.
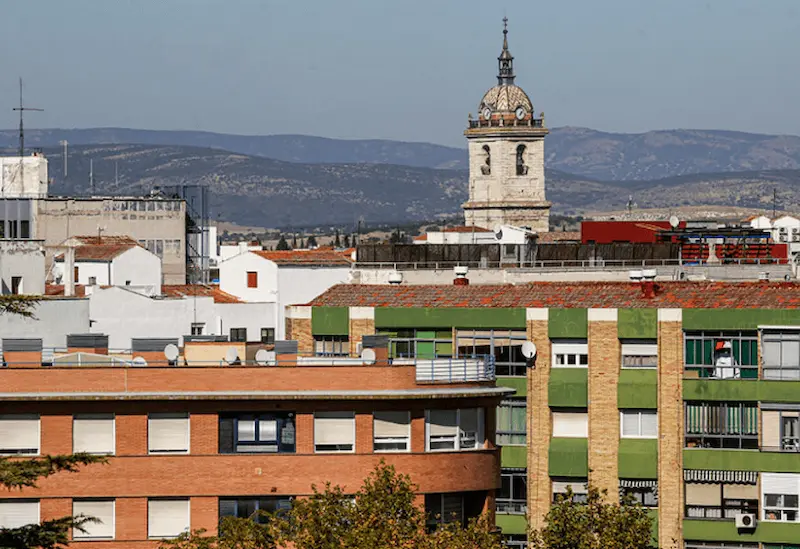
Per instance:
{"type": "Point", "coordinates": [721, 512]}
{"type": "Point", "coordinates": [511, 506]}
{"type": "Point", "coordinates": [502, 123]}
{"type": "Point", "coordinates": [788, 444]}
{"type": "Point", "coordinates": [780, 372]}
{"type": "Point", "coordinates": [451, 370]}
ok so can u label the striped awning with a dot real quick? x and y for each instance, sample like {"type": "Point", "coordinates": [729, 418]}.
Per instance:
{"type": "Point", "coordinates": [625, 483]}
{"type": "Point", "coordinates": [724, 477]}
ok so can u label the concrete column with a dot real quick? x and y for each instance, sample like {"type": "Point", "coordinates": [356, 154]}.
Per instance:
{"type": "Point", "coordinates": [362, 322]}
{"type": "Point", "coordinates": [298, 328]}
{"type": "Point", "coordinates": [604, 364]}
{"type": "Point", "coordinates": [539, 423]}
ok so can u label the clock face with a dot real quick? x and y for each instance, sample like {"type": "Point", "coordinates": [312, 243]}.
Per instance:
{"type": "Point", "coordinates": [487, 113]}
{"type": "Point", "coordinates": [520, 112]}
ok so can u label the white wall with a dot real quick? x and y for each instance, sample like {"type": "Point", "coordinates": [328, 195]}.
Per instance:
{"type": "Point", "coordinates": [55, 318]}
{"type": "Point", "coordinates": [138, 266]}
{"type": "Point", "coordinates": [227, 251]}
{"type": "Point", "coordinates": [23, 258]}
{"type": "Point", "coordinates": [25, 179]}
{"type": "Point", "coordinates": [299, 285]}
{"type": "Point", "coordinates": [233, 277]}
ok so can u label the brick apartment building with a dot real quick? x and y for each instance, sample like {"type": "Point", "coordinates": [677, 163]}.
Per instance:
{"type": "Point", "coordinates": [219, 429]}
{"type": "Point", "coordinates": [684, 394]}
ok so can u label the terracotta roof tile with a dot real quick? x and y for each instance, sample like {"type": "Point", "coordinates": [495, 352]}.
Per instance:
{"type": "Point", "coordinates": [319, 256]}
{"type": "Point", "coordinates": [198, 290]}
{"type": "Point", "coordinates": [465, 229]}
{"type": "Point", "coordinates": [700, 295]}
{"type": "Point", "coordinates": [100, 248]}
{"type": "Point", "coordinates": [58, 289]}
{"type": "Point", "coordinates": [545, 238]}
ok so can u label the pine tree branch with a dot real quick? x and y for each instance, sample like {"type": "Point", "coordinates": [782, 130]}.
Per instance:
{"type": "Point", "coordinates": [24, 473]}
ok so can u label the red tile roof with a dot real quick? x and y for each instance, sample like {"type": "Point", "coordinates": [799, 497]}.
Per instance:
{"type": "Point", "coordinates": [319, 256]}
{"type": "Point", "coordinates": [421, 238]}
{"type": "Point", "coordinates": [100, 248]}
{"type": "Point", "coordinates": [465, 229]}
{"type": "Point", "coordinates": [565, 295]}
{"type": "Point", "coordinates": [198, 290]}
{"type": "Point", "coordinates": [58, 289]}
{"type": "Point", "coordinates": [546, 238]}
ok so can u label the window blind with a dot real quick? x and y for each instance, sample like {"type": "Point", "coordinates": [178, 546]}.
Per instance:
{"type": "Point", "coordinates": [578, 486]}
{"type": "Point", "coordinates": [571, 424]}
{"type": "Point", "coordinates": [93, 433]}
{"type": "Point", "coordinates": [18, 513]}
{"type": "Point", "coordinates": [19, 434]}
{"type": "Point", "coordinates": [391, 424]}
{"type": "Point", "coordinates": [576, 348]}
{"type": "Point", "coordinates": [334, 429]}
{"type": "Point", "coordinates": [168, 433]}
{"type": "Point", "coordinates": [642, 349]}
{"type": "Point", "coordinates": [167, 518]}
{"type": "Point", "coordinates": [443, 422]}
{"type": "Point", "coordinates": [103, 511]}
{"type": "Point", "coordinates": [780, 483]}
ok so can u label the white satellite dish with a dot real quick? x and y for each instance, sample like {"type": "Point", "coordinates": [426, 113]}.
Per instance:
{"type": "Point", "coordinates": [368, 356]}
{"type": "Point", "coordinates": [498, 232]}
{"type": "Point", "coordinates": [231, 355]}
{"type": "Point", "coordinates": [529, 349]}
{"type": "Point", "coordinates": [139, 361]}
{"type": "Point", "coordinates": [262, 357]}
{"type": "Point", "coordinates": [171, 352]}
{"type": "Point", "coordinates": [674, 221]}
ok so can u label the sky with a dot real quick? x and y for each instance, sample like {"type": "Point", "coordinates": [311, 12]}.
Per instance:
{"type": "Point", "coordinates": [410, 70]}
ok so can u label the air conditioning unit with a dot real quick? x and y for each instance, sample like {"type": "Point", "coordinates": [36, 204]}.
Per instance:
{"type": "Point", "coordinates": [745, 521]}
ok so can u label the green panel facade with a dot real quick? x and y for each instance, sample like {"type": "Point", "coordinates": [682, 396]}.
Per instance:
{"type": "Point", "coordinates": [638, 389]}
{"type": "Point", "coordinates": [520, 384]}
{"type": "Point", "coordinates": [725, 530]}
{"type": "Point", "coordinates": [514, 456]}
{"type": "Point", "coordinates": [330, 321]}
{"type": "Point", "coordinates": [512, 524]}
{"type": "Point", "coordinates": [741, 460]}
{"type": "Point", "coordinates": [568, 388]}
{"type": "Point", "coordinates": [569, 457]}
{"type": "Point", "coordinates": [568, 324]}
{"type": "Point", "coordinates": [738, 319]}
{"type": "Point", "coordinates": [638, 458]}
{"type": "Point", "coordinates": [408, 317]}
{"type": "Point", "coordinates": [741, 390]}
{"type": "Point", "coordinates": [637, 323]}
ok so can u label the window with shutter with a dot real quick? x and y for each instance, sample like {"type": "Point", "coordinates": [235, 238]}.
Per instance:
{"type": "Point", "coordinates": [264, 433]}
{"type": "Point", "coordinates": [19, 434]}
{"type": "Point", "coordinates": [168, 433]}
{"type": "Point", "coordinates": [578, 487]}
{"type": "Point", "coordinates": [461, 429]}
{"type": "Point", "coordinates": [252, 279]}
{"type": "Point", "coordinates": [167, 518]}
{"type": "Point", "coordinates": [15, 513]}
{"type": "Point", "coordinates": [93, 434]}
{"type": "Point", "coordinates": [780, 493]}
{"type": "Point", "coordinates": [570, 353]}
{"type": "Point", "coordinates": [639, 354]}
{"type": "Point", "coordinates": [391, 431]}
{"type": "Point", "coordinates": [638, 424]}
{"type": "Point", "coordinates": [334, 431]}
{"type": "Point", "coordinates": [102, 510]}
{"type": "Point", "coordinates": [571, 424]}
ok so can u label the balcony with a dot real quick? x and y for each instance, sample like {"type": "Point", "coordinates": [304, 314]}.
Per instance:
{"type": "Point", "coordinates": [728, 511]}
{"type": "Point", "coordinates": [507, 124]}
{"type": "Point", "coordinates": [451, 370]}
{"type": "Point", "coordinates": [511, 507]}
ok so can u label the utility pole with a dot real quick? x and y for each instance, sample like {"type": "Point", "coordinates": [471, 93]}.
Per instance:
{"type": "Point", "coordinates": [22, 108]}
{"type": "Point", "coordinates": [774, 203]}
{"type": "Point", "coordinates": [91, 176]}
{"type": "Point", "coordinates": [63, 142]}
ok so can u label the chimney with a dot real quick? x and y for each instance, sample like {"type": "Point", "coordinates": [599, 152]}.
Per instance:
{"type": "Point", "coordinates": [461, 276]}
{"type": "Point", "coordinates": [763, 277]}
{"type": "Point", "coordinates": [69, 272]}
{"type": "Point", "coordinates": [648, 283]}
{"type": "Point", "coordinates": [22, 352]}
{"type": "Point", "coordinates": [395, 277]}
{"type": "Point", "coordinates": [286, 353]}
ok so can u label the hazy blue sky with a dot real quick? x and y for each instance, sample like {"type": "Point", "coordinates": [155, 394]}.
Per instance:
{"type": "Point", "coordinates": [410, 69]}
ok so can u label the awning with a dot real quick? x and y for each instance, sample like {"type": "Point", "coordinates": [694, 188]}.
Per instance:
{"type": "Point", "coordinates": [624, 483]}
{"type": "Point", "coordinates": [723, 477]}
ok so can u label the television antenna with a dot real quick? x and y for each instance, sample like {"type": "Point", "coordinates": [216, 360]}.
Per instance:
{"type": "Point", "coordinates": [22, 108]}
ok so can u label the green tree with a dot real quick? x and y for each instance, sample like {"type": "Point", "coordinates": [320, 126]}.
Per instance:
{"type": "Point", "coordinates": [294, 241]}
{"type": "Point", "coordinates": [347, 241]}
{"type": "Point", "coordinates": [302, 243]}
{"type": "Point", "coordinates": [596, 524]}
{"type": "Point", "coordinates": [19, 305]}
{"type": "Point", "coordinates": [337, 242]}
{"type": "Point", "coordinates": [311, 242]}
{"type": "Point", "coordinates": [282, 245]}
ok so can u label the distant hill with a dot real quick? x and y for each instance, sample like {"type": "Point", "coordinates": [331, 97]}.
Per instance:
{"type": "Point", "coordinates": [256, 191]}
{"type": "Point", "coordinates": [588, 153]}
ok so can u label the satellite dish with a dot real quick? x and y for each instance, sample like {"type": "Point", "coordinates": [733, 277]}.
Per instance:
{"type": "Point", "coordinates": [139, 361]}
{"type": "Point", "coordinates": [529, 349]}
{"type": "Point", "coordinates": [262, 357]}
{"type": "Point", "coordinates": [171, 352]}
{"type": "Point", "coordinates": [231, 355]}
{"type": "Point", "coordinates": [674, 221]}
{"type": "Point", "coordinates": [368, 356]}
{"type": "Point", "coordinates": [498, 232]}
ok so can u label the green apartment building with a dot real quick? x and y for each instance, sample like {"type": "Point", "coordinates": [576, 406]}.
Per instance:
{"type": "Point", "coordinates": [684, 394]}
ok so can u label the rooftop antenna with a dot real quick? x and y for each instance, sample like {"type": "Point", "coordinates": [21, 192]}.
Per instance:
{"type": "Point", "coordinates": [64, 143]}
{"type": "Point", "coordinates": [91, 176]}
{"type": "Point", "coordinates": [22, 108]}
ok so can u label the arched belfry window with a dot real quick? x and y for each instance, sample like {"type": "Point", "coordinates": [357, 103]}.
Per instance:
{"type": "Point", "coordinates": [522, 169]}
{"type": "Point", "coordinates": [486, 168]}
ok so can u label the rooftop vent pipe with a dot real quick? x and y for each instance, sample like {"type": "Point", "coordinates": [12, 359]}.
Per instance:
{"type": "Point", "coordinates": [461, 275]}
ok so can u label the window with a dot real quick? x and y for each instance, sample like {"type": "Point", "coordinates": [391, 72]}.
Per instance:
{"type": "Point", "coordinates": [334, 431]}
{"type": "Point", "coordinates": [425, 344]}
{"type": "Point", "coordinates": [570, 354]}
{"type": "Point", "coordinates": [522, 169]}
{"type": "Point", "coordinates": [638, 423]}
{"type": "Point", "coordinates": [255, 508]}
{"type": "Point", "coordinates": [93, 433]}
{"type": "Point", "coordinates": [643, 492]}
{"type": "Point", "coordinates": [515, 541]}
{"type": "Point", "coordinates": [391, 431]}
{"type": "Point", "coordinates": [24, 229]}
{"type": "Point", "coordinates": [780, 496]}
{"type": "Point", "coordinates": [486, 167]}
{"type": "Point", "coordinates": [504, 345]}
{"type": "Point", "coordinates": [238, 334]}
{"type": "Point", "coordinates": [454, 429]}
{"type": "Point", "coordinates": [781, 354]}
{"type": "Point", "coordinates": [75, 273]}
{"type": "Point", "coordinates": [16, 285]}
{"type": "Point", "coordinates": [721, 425]}
{"type": "Point", "coordinates": [92, 280]}
{"type": "Point", "coordinates": [102, 510]}
{"type": "Point", "coordinates": [578, 487]}
{"type": "Point", "coordinates": [639, 354]}
{"type": "Point", "coordinates": [167, 518]}
{"type": "Point", "coordinates": [268, 336]}
{"type": "Point", "coordinates": [512, 498]}
{"type": "Point", "coordinates": [198, 328]}
{"type": "Point", "coordinates": [19, 434]}
{"type": "Point", "coordinates": [571, 424]}
{"type": "Point", "coordinates": [511, 422]}
{"type": "Point", "coordinates": [781, 429]}
{"type": "Point", "coordinates": [168, 433]}
{"type": "Point", "coordinates": [332, 345]}
{"type": "Point", "coordinates": [722, 355]}
{"type": "Point", "coordinates": [719, 545]}
{"type": "Point", "coordinates": [257, 433]}
{"type": "Point", "coordinates": [444, 508]}
{"type": "Point", "coordinates": [16, 513]}
{"type": "Point", "coordinates": [252, 279]}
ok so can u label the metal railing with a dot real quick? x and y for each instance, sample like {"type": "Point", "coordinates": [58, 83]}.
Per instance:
{"type": "Point", "coordinates": [511, 506]}
{"type": "Point", "coordinates": [720, 512]}
{"type": "Point", "coordinates": [452, 370]}
{"type": "Point", "coordinates": [502, 123]}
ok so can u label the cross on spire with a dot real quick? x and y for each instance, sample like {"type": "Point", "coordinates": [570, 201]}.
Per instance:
{"type": "Point", "coordinates": [505, 62]}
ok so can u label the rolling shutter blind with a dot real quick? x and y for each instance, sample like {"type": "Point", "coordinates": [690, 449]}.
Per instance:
{"type": "Point", "coordinates": [225, 435]}
{"type": "Point", "coordinates": [168, 433]}
{"type": "Point", "coordinates": [167, 518]}
{"type": "Point", "coordinates": [578, 486]}
{"type": "Point", "coordinates": [571, 348]}
{"type": "Point", "coordinates": [19, 434]}
{"type": "Point", "coordinates": [391, 424]}
{"type": "Point", "coordinates": [334, 428]}
{"type": "Point", "coordinates": [641, 349]}
{"type": "Point", "coordinates": [780, 483]}
{"type": "Point", "coordinates": [443, 423]}
{"type": "Point", "coordinates": [571, 424]}
{"type": "Point", "coordinates": [93, 434]}
{"type": "Point", "coordinates": [18, 513]}
{"type": "Point", "coordinates": [102, 510]}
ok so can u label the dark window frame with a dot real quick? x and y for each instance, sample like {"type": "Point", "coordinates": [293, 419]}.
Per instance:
{"type": "Point", "coordinates": [286, 428]}
{"type": "Point", "coordinates": [238, 335]}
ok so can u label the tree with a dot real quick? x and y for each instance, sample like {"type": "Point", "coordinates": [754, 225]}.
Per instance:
{"type": "Point", "coordinates": [596, 524]}
{"type": "Point", "coordinates": [294, 241]}
{"type": "Point", "coordinates": [347, 241]}
{"type": "Point", "coordinates": [19, 305]}
{"type": "Point", "coordinates": [337, 243]}
{"type": "Point", "coordinates": [311, 242]}
{"type": "Point", "coordinates": [302, 244]}
{"type": "Point", "coordinates": [282, 244]}
{"type": "Point", "coordinates": [19, 474]}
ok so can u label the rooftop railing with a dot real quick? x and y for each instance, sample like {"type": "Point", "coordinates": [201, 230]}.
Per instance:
{"type": "Point", "coordinates": [503, 123]}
